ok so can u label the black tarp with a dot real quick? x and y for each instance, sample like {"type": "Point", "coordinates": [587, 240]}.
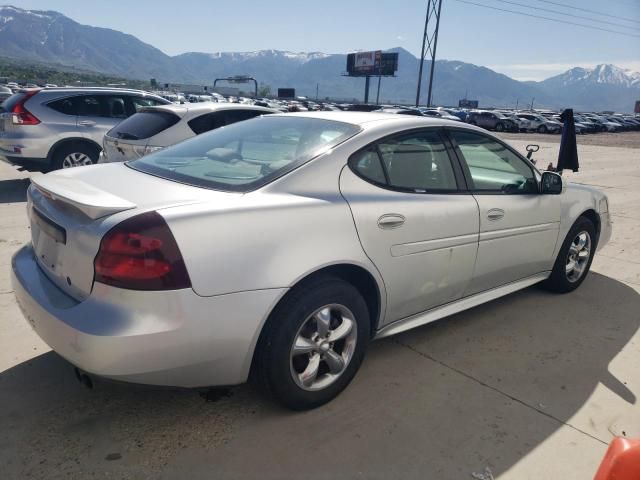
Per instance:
{"type": "Point", "coordinates": [568, 156]}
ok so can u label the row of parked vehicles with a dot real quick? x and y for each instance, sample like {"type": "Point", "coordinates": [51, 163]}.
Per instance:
{"type": "Point", "coordinates": [62, 127]}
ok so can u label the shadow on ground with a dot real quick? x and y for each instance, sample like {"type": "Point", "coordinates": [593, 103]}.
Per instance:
{"type": "Point", "coordinates": [12, 191]}
{"type": "Point", "coordinates": [482, 388]}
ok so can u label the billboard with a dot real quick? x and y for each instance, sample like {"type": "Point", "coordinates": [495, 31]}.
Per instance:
{"type": "Point", "coordinates": [286, 93]}
{"type": "Point", "coordinates": [637, 109]}
{"type": "Point", "coordinates": [361, 64]}
{"type": "Point", "coordinates": [464, 103]}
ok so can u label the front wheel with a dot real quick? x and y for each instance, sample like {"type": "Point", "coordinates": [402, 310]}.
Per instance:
{"type": "Point", "coordinates": [313, 343]}
{"type": "Point", "coordinates": [542, 129]}
{"type": "Point", "coordinates": [574, 259]}
{"type": "Point", "coordinates": [499, 127]}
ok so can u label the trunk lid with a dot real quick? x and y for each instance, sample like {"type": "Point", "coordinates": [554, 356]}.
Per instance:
{"type": "Point", "coordinates": [71, 210]}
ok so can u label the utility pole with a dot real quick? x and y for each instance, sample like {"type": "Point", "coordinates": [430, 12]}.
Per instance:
{"type": "Point", "coordinates": [429, 45]}
{"type": "Point", "coordinates": [317, 88]}
{"type": "Point", "coordinates": [532, 103]}
{"type": "Point", "coordinates": [517, 99]}
{"type": "Point", "coordinates": [366, 88]}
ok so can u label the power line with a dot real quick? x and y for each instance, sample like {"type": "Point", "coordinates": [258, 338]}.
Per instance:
{"type": "Point", "coordinates": [568, 14]}
{"type": "Point", "coordinates": [566, 22]}
{"type": "Point", "coordinates": [590, 11]}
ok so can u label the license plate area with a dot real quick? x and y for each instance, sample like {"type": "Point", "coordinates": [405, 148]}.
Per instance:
{"type": "Point", "coordinates": [49, 227]}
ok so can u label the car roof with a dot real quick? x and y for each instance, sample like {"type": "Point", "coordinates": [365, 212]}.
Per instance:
{"type": "Point", "coordinates": [366, 119]}
{"type": "Point", "coordinates": [205, 107]}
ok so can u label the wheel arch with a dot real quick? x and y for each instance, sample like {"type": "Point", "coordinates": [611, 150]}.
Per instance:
{"type": "Point", "coordinates": [71, 141]}
{"type": "Point", "coordinates": [362, 279]}
{"type": "Point", "coordinates": [592, 215]}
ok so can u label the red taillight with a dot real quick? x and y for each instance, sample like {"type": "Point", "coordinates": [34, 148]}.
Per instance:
{"type": "Point", "coordinates": [141, 254]}
{"type": "Point", "coordinates": [20, 115]}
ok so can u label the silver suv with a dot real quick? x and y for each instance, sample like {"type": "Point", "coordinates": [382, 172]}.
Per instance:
{"type": "Point", "coordinates": [64, 127]}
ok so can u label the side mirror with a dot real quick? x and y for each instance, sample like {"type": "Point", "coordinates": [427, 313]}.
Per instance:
{"type": "Point", "coordinates": [551, 183]}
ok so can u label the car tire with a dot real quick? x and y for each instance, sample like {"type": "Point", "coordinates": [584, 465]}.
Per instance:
{"type": "Point", "coordinates": [542, 129]}
{"type": "Point", "coordinates": [74, 155]}
{"type": "Point", "coordinates": [295, 322]}
{"type": "Point", "coordinates": [499, 127]}
{"type": "Point", "coordinates": [562, 279]}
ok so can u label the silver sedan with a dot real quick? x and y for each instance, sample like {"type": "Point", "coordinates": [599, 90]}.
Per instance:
{"type": "Point", "coordinates": [281, 245]}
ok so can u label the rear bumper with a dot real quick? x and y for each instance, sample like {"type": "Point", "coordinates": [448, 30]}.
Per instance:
{"type": "Point", "coordinates": [21, 147]}
{"type": "Point", "coordinates": [174, 338]}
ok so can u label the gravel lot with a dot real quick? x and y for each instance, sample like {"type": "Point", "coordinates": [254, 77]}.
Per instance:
{"type": "Point", "coordinates": [530, 386]}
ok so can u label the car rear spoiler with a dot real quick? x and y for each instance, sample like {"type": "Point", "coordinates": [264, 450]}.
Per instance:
{"type": "Point", "coordinates": [91, 201]}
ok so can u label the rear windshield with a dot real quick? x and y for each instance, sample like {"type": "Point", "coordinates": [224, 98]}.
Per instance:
{"type": "Point", "coordinates": [246, 155]}
{"type": "Point", "coordinates": [143, 125]}
{"type": "Point", "coordinates": [11, 102]}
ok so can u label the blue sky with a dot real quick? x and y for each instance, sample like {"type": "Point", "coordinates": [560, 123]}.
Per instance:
{"type": "Point", "coordinates": [521, 47]}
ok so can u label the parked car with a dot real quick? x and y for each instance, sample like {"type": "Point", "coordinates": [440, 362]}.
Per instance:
{"type": "Point", "coordinates": [605, 125]}
{"type": "Point", "coordinates": [524, 125]}
{"type": "Point", "coordinates": [283, 244]}
{"type": "Point", "coordinates": [491, 121]}
{"type": "Point", "coordinates": [440, 114]}
{"type": "Point", "coordinates": [64, 127]}
{"type": "Point", "coordinates": [154, 128]}
{"type": "Point", "coordinates": [541, 124]}
{"type": "Point", "coordinates": [401, 111]}
{"type": "Point", "coordinates": [5, 92]}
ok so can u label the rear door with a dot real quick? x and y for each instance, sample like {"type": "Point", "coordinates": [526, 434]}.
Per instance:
{"type": "Point", "coordinates": [99, 113]}
{"type": "Point", "coordinates": [415, 219]}
{"type": "Point", "coordinates": [518, 225]}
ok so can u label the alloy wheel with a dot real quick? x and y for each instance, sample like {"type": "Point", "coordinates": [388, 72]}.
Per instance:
{"type": "Point", "coordinates": [323, 347]}
{"type": "Point", "coordinates": [77, 159]}
{"type": "Point", "coordinates": [578, 256]}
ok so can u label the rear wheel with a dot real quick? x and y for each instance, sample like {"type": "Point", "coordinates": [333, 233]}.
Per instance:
{"type": "Point", "coordinates": [74, 155]}
{"type": "Point", "coordinates": [542, 129]}
{"type": "Point", "coordinates": [574, 259]}
{"type": "Point", "coordinates": [499, 127]}
{"type": "Point", "coordinates": [313, 343]}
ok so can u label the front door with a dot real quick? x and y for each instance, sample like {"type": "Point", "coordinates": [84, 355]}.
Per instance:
{"type": "Point", "coordinates": [415, 221]}
{"type": "Point", "coordinates": [518, 226]}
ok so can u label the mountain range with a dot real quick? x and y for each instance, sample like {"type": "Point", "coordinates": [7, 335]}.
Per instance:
{"type": "Point", "coordinates": [50, 37]}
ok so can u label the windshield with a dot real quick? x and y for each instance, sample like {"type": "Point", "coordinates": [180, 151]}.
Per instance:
{"type": "Point", "coordinates": [246, 155]}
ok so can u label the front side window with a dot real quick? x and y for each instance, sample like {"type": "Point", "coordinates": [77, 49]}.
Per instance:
{"type": "Point", "coordinates": [246, 155]}
{"type": "Point", "coordinates": [415, 162]}
{"type": "Point", "coordinates": [493, 167]}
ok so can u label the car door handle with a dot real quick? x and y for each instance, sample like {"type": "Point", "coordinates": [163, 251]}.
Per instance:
{"type": "Point", "coordinates": [391, 220]}
{"type": "Point", "coordinates": [86, 123]}
{"type": "Point", "coordinates": [495, 214]}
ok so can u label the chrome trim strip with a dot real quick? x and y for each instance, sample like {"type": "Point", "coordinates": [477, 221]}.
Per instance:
{"type": "Point", "coordinates": [512, 232]}
{"type": "Point", "coordinates": [403, 249]}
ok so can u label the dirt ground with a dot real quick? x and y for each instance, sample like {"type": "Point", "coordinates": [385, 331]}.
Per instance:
{"type": "Point", "coordinates": [623, 139]}
{"type": "Point", "coordinates": [530, 386]}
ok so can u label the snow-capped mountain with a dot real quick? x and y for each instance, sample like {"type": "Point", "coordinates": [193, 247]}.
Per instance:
{"type": "Point", "coordinates": [604, 74]}
{"type": "Point", "coordinates": [52, 38]}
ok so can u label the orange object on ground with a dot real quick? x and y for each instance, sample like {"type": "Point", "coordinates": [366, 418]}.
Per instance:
{"type": "Point", "coordinates": [621, 462]}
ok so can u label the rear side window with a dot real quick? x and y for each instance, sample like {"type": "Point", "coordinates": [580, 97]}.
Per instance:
{"type": "Point", "coordinates": [143, 125]}
{"type": "Point", "coordinates": [206, 122]}
{"type": "Point", "coordinates": [213, 120]}
{"type": "Point", "coordinates": [66, 106]}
